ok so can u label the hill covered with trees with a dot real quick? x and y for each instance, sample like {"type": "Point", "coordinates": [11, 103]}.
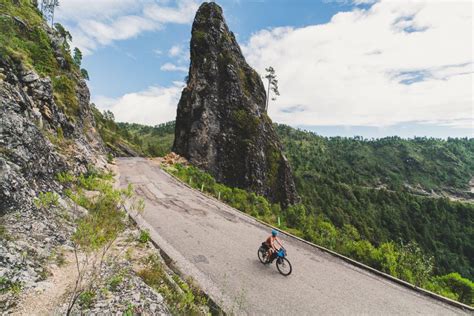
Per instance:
{"type": "Point", "coordinates": [390, 190]}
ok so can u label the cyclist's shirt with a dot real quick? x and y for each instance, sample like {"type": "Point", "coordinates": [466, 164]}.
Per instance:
{"type": "Point", "coordinates": [270, 241]}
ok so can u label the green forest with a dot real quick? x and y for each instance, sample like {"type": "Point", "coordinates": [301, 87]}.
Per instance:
{"type": "Point", "coordinates": [382, 188]}
{"type": "Point", "coordinates": [383, 202]}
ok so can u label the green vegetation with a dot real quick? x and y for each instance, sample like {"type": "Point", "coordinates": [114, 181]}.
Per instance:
{"type": "Point", "coordinates": [154, 141]}
{"type": "Point", "coordinates": [115, 281]}
{"type": "Point", "coordinates": [65, 95]}
{"type": "Point", "coordinates": [24, 39]}
{"type": "Point", "coordinates": [392, 162]}
{"type": "Point", "coordinates": [112, 136]}
{"type": "Point", "coordinates": [247, 202]}
{"type": "Point", "coordinates": [454, 287]}
{"type": "Point", "coordinates": [144, 140]}
{"type": "Point", "coordinates": [363, 183]}
{"type": "Point", "coordinates": [144, 236]}
{"type": "Point", "coordinates": [199, 37]}
{"type": "Point", "coordinates": [7, 285]}
{"type": "Point", "coordinates": [86, 299]}
{"type": "Point", "coordinates": [46, 200]}
{"type": "Point", "coordinates": [183, 298]}
{"type": "Point", "coordinates": [96, 231]}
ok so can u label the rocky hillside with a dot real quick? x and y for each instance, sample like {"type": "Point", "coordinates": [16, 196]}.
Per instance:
{"type": "Point", "coordinates": [46, 128]}
{"type": "Point", "coordinates": [66, 244]}
{"type": "Point", "coordinates": [221, 124]}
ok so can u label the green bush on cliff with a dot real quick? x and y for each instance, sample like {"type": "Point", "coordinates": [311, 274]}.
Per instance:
{"type": "Point", "coordinates": [24, 39]}
{"type": "Point", "coordinates": [199, 36]}
{"type": "Point", "coordinates": [27, 43]}
{"type": "Point", "coordinates": [65, 94]}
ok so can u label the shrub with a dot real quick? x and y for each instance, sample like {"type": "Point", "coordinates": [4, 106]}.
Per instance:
{"type": "Point", "coordinates": [7, 285]}
{"type": "Point", "coordinates": [86, 299]}
{"type": "Point", "coordinates": [110, 158]}
{"type": "Point", "coordinates": [455, 286]}
{"type": "Point", "coordinates": [65, 94]}
{"type": "Point", "coordinates": [199, 37]}
{"type": "Point", "coordinates": [46, 199]}
{"type": "Point", "coordinates": [144, 236]}
{"type": "Point", "coordinates": [66, 177]}
{"type": "Point", "coordinates": [115, 281]}
{"type": "Point", "coordinates": [184, 300]}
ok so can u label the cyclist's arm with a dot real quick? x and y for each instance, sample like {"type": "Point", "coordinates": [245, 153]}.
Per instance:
{"type": "Point", "coordinates": [279, 242]}
{"type": "Point", "coordinates": [272, 243]}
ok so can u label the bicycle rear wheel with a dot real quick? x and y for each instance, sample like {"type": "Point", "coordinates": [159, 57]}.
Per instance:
{"type": "Point", "coordinates": [284, 266]}
{"type": "Point", "coordinates": [262, 255]}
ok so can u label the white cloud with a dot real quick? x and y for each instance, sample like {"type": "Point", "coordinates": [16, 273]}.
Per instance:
{"type": "Point", "coordinates": [396, 62]}
{"type": "Point", "coordinates": [78, 10]}
{"type": "Point", "coordinates": [101, 22]}
{"type": "Point", "coordinates": [174, 51]}
{"type": "Point", "coordinates": [152, 106]}
{"type": "Point", "coordinates": [183, 13]}
{"type": "Point", "coordinates": [173, 67]}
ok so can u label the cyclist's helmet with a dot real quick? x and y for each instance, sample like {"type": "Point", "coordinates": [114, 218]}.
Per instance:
{"type": "Point", "coordinates": [274, 233]}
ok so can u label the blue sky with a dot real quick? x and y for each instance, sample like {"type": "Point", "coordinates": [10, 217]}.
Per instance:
{"type": "Point", "coordinates": [110, 66]}
{"type": "Point", "coordinates": [345, 67]}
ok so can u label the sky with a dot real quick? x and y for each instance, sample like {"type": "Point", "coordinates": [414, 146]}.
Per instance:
{"type": "Point", "coordinates": [345, 67]}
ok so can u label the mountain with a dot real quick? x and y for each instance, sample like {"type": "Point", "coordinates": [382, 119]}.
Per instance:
{"type": "Point", "coordinates": [221, 123]}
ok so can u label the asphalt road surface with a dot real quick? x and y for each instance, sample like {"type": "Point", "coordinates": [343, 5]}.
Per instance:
{"type": "Point", "coordinates": [217, 246]}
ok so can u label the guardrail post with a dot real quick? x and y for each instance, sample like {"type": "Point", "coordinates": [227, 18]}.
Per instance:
{"type": "Point", "coordinates": [279, 221]}
{"type": "Point", "coordinates": [190, 180]}
{"type": "Point", "coordinates": [219, 196]}
{"type": "Point", "coordinates": [202, 187]}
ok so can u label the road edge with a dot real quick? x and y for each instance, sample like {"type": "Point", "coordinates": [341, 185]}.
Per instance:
{"type": "Point", "coordinates": [358, 264]}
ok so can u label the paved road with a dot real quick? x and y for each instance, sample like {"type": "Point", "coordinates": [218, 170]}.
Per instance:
{"type": "Point", "coordinates": [217, 246]}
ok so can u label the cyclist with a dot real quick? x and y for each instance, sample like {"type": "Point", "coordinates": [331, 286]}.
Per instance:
{"type": "Point", "coordinates": [270, 245]}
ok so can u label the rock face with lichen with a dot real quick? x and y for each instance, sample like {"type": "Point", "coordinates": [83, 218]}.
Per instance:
{"type": "Point", "coordinates": [221, 124]}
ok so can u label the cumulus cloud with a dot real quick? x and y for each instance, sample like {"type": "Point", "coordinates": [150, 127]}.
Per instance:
{"type": "Point", "coordinates": [154, 105]}
{"type": "Point", "coordinates": [175, 50]}
{"type": "Point", "coordinates": [173, 67]}
{"type": "Point", "coordinates": [102, 22]}
{"type": "Point", "coordinates": [397, 61]}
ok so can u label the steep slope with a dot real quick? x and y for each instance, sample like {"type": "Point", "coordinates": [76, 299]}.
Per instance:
{"type": "Point", "coordinates": [46, 122]}
{"type": "Point", "coordinates": [221, 123]}
{"type": "Point", "coordinates": [46, 128]}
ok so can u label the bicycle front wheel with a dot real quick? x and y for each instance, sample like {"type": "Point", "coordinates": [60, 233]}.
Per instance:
{"type": "Point", "coordinates": [284, 266]}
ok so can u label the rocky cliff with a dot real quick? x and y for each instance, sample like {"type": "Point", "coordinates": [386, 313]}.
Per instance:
{"type": "Point", "coordinates": [46, 127]}
{"type": "Point", "coordinates": [221, 123]}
